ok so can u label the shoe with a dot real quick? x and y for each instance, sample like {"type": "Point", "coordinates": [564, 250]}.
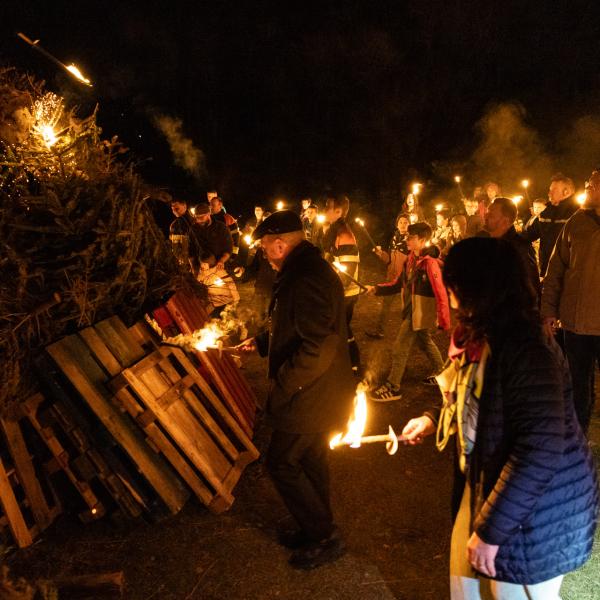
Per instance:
{"type": "Point", "coordinates": [374, 334]}
{"type": "Point", "coordinates": [292, 538]}
{"type": "Point", "coordinates": [386, 393]}
{"type": "Point", "coordinates": [431, 380]}
{"type": "Point", "coordinates": [320, 553]}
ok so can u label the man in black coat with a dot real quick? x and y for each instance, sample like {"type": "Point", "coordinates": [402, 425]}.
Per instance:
{"type": "Point", "coordinates": [547, 226]}
{"type": "Point", "coordinates": [311, 384]}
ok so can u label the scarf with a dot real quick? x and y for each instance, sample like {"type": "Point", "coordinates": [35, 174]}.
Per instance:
{"type": "Point", "coordinates": [461, 384]}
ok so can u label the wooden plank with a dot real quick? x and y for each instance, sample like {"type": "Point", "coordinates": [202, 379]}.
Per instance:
{"type": "Point", "coordinates": [248, 391]}
{"type": "Point", "coordinates": [103, 354]}
{"type": "Point", "coordinates": [16, 522]}
{"type": "Point", "coordinates": [74, 359]}
{"type": "Point", "coordinates": [26, 473]}
{"type": "Point", "coordinates": [120, 342]}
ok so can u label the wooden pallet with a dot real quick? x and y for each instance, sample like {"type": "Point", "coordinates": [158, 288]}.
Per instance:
{"type": "Point", "coordinates": [27, 508]}
{"type": "Point", "coordinates": [185, 419]}
{"type": "Point", "coordinates": [188, 311]}
{"type": "Point", "coordinates": [83, 461]}
{"type": "Point", "coordinates": [89, 359]}
{"type": "Point", "coordinates": [230, 386]}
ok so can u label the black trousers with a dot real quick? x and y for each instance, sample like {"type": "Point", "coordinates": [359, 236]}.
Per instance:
{"type": "Point", "coordinates": [583, 351]}
{"type": "Point", "coordinates": [350, 302]}
{"type": "Point", "coordinates": [298, 464]}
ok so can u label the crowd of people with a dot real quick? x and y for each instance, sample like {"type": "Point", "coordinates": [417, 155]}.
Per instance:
{"type": "Point", "coordinates": [517, 384]}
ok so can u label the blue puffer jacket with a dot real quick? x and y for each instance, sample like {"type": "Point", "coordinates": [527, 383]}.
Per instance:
{"type": "Point", "coordinates": [532, 475]}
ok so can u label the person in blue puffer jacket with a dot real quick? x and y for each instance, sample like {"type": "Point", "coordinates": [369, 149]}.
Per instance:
{"type": "Point", "coordinates": [526, 493]}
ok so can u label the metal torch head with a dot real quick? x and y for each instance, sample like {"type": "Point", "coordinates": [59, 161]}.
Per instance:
{"type": "Point", "coordinates": [392, 445]}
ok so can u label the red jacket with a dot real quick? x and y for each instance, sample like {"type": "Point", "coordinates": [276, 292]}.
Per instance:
{"type": "Point", "coordinates": [428, 294]}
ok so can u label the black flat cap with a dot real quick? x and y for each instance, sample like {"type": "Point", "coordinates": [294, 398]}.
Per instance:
{"type": "Point", "coordinates": [282, 221]}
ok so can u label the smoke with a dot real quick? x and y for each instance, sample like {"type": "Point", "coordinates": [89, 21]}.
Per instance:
{"type": "Point", "coordinates": [509, 148]}
{"type": "Point", "coordinates": [185, 154]}
{"type": "Point", "coordinates": [580, 146]}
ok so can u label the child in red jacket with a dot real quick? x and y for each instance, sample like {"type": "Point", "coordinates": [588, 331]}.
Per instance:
{"type": "Point", "coordinates": [425, 307]}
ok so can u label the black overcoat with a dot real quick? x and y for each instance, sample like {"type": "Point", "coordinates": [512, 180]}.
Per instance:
{"type": "Point", "coordinates": [311, 382]}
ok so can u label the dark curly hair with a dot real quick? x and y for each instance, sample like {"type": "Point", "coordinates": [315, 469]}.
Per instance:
{"type": "Point", "coordinates": [495, 294]}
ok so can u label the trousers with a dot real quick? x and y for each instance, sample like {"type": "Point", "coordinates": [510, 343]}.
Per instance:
{"type": "Point", "coordinates": [299, 467]}
{"type": "Point", "coordinates": [402, 346]}
{"type": "Point", "coordinates": [583, 352]}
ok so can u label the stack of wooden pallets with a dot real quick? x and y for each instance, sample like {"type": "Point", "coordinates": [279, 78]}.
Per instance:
{"type": "Point", "coordinates": [125, 422]}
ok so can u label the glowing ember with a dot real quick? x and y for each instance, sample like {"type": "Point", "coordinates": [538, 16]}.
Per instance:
{"type": "Point", "coordinates": [78, 74]}
{"type": "Point", "coordinates": [416, 188]}
{"type": "Point", "coordinates": [321, 219]}
{"type": "Point", "coordinates": [581, 198]}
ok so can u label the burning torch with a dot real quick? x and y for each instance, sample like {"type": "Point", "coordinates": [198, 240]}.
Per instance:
{"type": "Point", "coordinates": [364, 228]}
{"type": "Point", "coordinates": [71, 69]}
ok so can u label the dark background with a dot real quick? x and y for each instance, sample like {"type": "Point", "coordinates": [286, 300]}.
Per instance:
{"type": "Point", "coordinates": [288, 99]}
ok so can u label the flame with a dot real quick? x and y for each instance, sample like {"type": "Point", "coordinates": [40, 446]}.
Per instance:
{"type": "Point", "coordinates": [439, 207]}
{"type": "Point", "coordinates": [218, 282]}
{"type": "Point", "coordinates": [280, 205]}
{"type": "Point", "coordinates": [356, 423]}
{"type": "Point", "coordinates": [581, 198]}
{"type": "Point", "coordinates": [208, 337]}
{"type": "Point", "coordinates": [339, 266]}
{"type": "Point", "coordinates": [78, 74]}
{"type": "Point", "coordinates": [416, 188]}
{"type": "Point", "coordinates": [321, 219]}
{"type": "Point", "coordinates": [360, 221]}
{"type": "Point", "coordinates": [48, 134]}
{"type": "Point", "coordinates": [517, 199]}
{"type": "Point", "coordinates": [413, 218]}
{"type": "Point", "coordinates": [248, 239]}
{"type": "Point", "coordinates": [457, 178]}
{"type": "Point", "coordinates": [525, 183]}
{"type": "Point", "coordinates": [47, 112]}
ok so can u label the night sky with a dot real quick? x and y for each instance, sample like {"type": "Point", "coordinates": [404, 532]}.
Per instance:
{"type": "Point", "coordinates": [362, 97]}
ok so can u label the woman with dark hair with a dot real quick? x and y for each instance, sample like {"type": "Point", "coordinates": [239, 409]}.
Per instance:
{"type": "Point", "coordinates": [413, 209]}
{"type": "Point", "coordinates": [526, 498]}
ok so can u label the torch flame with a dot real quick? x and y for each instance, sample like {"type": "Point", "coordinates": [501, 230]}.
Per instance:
{"type": "Point", "coordinates": [78, 74]}
{"type": "Point", "coordinates": [360, 221]}
{"type": "Point", "coordinates": [457, 178]}
{"type": "Point", "coordinates": [321, 219]}
{"type": "Point", "coordinates": [218, 282]}
{"type": "Point", "coordinates": [517, 199]}
{"type": "Point", "coordinates": [525, 183]}
{"type": "Point", "coordinates": [248, 239]}
{"type": "Point", "coordinates": [356, 424]}
{"type": "Point", "coordinates": [416, 188]}
{"type": "Point", "coordinates": [581, 198]}
{"type": "Point", "coordinates": [48, 135]}
{"type": "Point", "coordinates": [439, 207]}
{"type": "Point", "coordinates": [339, 266]}
{"type": "Point", "coordinates": [279, 205]}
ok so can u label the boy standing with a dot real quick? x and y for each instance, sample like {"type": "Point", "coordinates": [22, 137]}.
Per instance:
{"type": "Point", "coordinates": [425, 306]}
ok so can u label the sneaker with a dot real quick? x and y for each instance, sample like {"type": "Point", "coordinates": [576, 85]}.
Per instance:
{"type": "Point", "coordinates": [378, 335]}
{"type": "Point", "coordinates": [320, 553]}
{"type": "Point", "coordinates": [386, 393]}
{"type": "Point", "coordinates": [431, 380]}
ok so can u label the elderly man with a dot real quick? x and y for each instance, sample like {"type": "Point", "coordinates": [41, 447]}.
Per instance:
{"type": "Point", "coordinates": [547, 226]}
{"type": "Point", "coordinates": [499, 223]}
{"type": "Point", "coordinates": [571, 294]}
{"type": "Point", "coordinates": [311, 384]}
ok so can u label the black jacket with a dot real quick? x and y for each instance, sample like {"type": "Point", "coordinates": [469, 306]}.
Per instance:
{"type": "Point", "coordinates": [531, 472]}
{"type": "Point", "coordinates": [548, 225]}
{"type": "Point", "coordinates": [312, 386]}
{"type": "Point", "coordinates": [527, 253]}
